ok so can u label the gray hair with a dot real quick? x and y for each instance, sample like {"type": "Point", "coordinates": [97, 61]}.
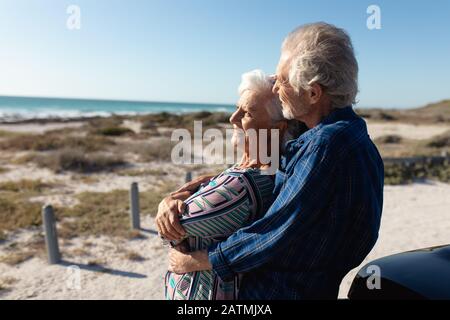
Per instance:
{"type": "Point", "coordinates": [322, 53]}
{"type": "Point", "coordinates": [257, 81]}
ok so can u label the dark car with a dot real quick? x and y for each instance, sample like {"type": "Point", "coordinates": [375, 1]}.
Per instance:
{"type": "Point", "coordinates": [418, 274]}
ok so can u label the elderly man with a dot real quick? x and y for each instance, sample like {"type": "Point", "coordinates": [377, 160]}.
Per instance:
{"type": "Point", "coordinates": [329, 188]}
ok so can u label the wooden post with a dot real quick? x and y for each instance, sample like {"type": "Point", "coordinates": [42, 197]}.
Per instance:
{"type": "Point", "coordinates": [51, 236]}
{"type": "Point", "coordinates": [134, 206]}
{"type": "Point", "coordinates": [188, 176]}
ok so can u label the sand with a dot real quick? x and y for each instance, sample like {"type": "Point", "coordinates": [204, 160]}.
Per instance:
{"type": "Point", "coordinates": [414, 216]}
{"type": "Point", "coordinates": [40, 127]}
{"type": "Point", "coordinates": [405, 130]}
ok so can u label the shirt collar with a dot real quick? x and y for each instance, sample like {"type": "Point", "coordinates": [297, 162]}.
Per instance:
{"type": "Point", "coordinates": [336, 115]}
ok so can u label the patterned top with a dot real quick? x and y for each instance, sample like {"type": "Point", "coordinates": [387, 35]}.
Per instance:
{"type": "Point", "coordinates": [230, 201]}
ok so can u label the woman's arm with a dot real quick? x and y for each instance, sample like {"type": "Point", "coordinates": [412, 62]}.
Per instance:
{"type": "Point", "coordinates": [167, 219]}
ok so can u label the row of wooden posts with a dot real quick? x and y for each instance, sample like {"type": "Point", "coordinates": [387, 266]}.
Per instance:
{"type": "Point", "coordinates": [51, 234]}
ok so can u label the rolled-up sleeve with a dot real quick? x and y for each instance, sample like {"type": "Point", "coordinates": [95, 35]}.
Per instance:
{"type": "Point", "coordinates": [297, 206]}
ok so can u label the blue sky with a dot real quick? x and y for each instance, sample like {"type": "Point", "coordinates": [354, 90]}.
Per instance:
{"type": "Point", "coordinates": [196, 50]}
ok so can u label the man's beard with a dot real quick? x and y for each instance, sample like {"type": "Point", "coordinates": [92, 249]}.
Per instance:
{"type": "Point", "coordinates": [287, 113]}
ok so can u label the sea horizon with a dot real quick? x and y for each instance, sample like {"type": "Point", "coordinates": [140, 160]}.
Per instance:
{"type": "Point", "coordinates": [18, 108]}
{"type": "Point", "coordinates": [25, 108]}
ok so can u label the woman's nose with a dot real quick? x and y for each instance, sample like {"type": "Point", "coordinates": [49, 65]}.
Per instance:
{"type": "Point", "coordinates": [234, 117]}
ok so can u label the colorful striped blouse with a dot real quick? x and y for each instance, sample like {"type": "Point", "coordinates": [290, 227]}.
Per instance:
{"type": "Point", "coordinates": [229, 202]}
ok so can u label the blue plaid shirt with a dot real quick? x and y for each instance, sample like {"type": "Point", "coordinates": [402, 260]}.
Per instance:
{"type": "Point", "coordinates": [323, 222]}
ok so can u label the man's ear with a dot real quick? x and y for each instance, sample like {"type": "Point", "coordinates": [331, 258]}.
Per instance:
{"type": "Point", "coordinates": [315, 92]}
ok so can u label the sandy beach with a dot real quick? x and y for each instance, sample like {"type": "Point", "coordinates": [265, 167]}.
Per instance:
{"type": "Point", "coordinates": [105, 262]}
{"type": "Point", "coordinates": [414, 216]}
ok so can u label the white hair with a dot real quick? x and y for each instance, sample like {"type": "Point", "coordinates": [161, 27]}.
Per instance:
{"type": "Point", "coordinates": [322, 53]}
{"type": "Point", "coordinates": [257, 81]}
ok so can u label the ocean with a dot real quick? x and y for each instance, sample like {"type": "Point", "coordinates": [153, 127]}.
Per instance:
{"type": "Point", "coordinates": [26, 108]}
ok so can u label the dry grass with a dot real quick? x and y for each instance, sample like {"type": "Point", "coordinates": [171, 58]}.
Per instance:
{"type": "Point", "coordinates": [3, 170]}
{"type": "Point", "coordinates": [435, 113]}
{"type": "Point", "coordinates": [159, 149]}
{"type": "Point", "coordinates": [25, 185]}
{"type": "Point", "coordinates": [17, 212]}
{"type": "Point", "coordinates": [396, 146]}
{"type": "Point", "coordinates": [52, 141]}
{"type": "Point", "coordinates": [133, 256]}
{"type": "Point", "coordinates": [141, 172]}
{"type": "Point", "coordinates": [16, 253]}
{"type": "Point", "coordinates": [77, 160]}
{"type": "Point", "coordinates": [391, 138]}
{"type": "Point", "coordinates": [6, 283]}
{"type": "Point", "coordinates": [441, 141]}
{"type": "Point", "coordinates": [114, 131]}
{"type": "Point", "coordinates": [106, 213]}
{"type": "Point", "coordinates": [403, 174]}
{"type": "Point", "coordinates": [165, 119]}
{"type": "Point", "coordinates": [78, 252]}
{"type": "Point", "coordinates": [8, 134]}
{"type": "Point", "coordinates": [15, 258]}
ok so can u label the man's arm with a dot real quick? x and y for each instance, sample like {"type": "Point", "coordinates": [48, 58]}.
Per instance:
{"type": "Point", "coordinates": [296, 208]}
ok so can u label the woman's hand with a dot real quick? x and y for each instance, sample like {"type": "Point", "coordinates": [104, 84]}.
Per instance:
{"type": "Point", "coordinates": [193, 185]}
{"type": "Point", "coordinates": [180, 262]}
{"type": "Point", "coordinates": [167, 219]}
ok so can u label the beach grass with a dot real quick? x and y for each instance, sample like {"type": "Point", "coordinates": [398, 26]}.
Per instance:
{"type": "Point", "coordinates": [133, 256]}
{"type": "Point", "coordinates": [76, 160]}
{"type": "Point", "coordinates": [141, 172]}
{"type": "Point", "coordinates": [114, 131]}
{"type": "Point", "coordinates": [395, 174]}
{"type": "Point", "coordinates": [16, 257]}
{"type": "Point", "coordinates": [17, 212]}
{"type": "Point", "coordinates": [25, 185]}
{"type": "Point", "coordinates": [52, 141]}
{"type": "Point", "coordinates": [6, 283]}
{"type": "Point", "coordinates": [107, 213]}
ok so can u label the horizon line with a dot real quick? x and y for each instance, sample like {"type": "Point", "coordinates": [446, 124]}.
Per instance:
{"type": "Point", "coordinates": [114, 100]}
{"type": "Point", "coordinates": [184, 102]}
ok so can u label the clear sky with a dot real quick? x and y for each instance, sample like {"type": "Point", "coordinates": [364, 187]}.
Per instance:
{"type": "Point", "coordinates": [196, 50]}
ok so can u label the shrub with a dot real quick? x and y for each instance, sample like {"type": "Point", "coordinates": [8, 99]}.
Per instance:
{"type": "Point", "coordinates": [79, 161]}
{"type": "Point", "coordinates": [114, 131]}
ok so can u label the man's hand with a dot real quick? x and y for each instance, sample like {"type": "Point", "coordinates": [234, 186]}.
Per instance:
{"type": "Point", "coordinates": [167, 220]}
{"type": "Point", "coordinates": [193, 185]}
{"type": "Point", "coordinates": [180, 262]}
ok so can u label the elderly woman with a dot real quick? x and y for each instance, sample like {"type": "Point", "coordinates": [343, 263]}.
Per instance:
{"type": "Point", "coordinates": [230, 200]}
